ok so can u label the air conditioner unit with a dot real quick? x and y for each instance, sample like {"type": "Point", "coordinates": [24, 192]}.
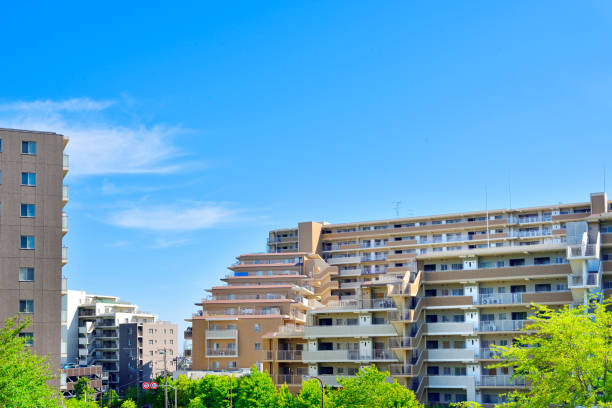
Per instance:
{"type": "Point", "coordinates": [485, 301]}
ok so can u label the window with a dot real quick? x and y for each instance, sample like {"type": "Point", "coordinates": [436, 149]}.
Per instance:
{"type": "Point", "coordinates": [26, 274]}
{"type": "Point", "coordinates": [150, 352]}
{"type": "Point", "coordinates": [429, 268]}
{"type": "Point", "coordinates": [150, 331]}
{"type": "Point", "coordinates": [28, 147]}
{"type": "Point", "coordinates": [28, 210]}
{"type": "Point", "coordinates": [257, 346]}
{"type": "Point", "coordinates": [541, 261]}
{"type": "Point", "coordinates": [26, 306]}
{"type": "Point", "coordinates": [28, 179]}
{"type": "Point", "coordinates": [216, 365]}
{"type": "Point", "coordinates": [542, 287]}
{"type": "Point", "coordinates": [171, 331]}
{"type": "Point", "coordinates": [150, 342]}
{"type": "Point", "coordinates": [231, 364]}
{"type": "Point", "coordinates": [29, 338]}
{"type": "Point", "coordinates": [257, 327]}
{"type": "Point", "coordinates": [27, 242]}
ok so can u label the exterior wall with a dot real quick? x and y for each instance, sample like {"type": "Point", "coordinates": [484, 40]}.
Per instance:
{"type": "Point", "coordinates": [46, 227]}
{"type": "Point", "coordinates": [309, 237]}
{"type": "Point", "coordinates": [164, 336]}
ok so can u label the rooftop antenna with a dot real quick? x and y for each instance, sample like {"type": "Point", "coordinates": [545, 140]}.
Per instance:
{"type": "Point", "coordinates": [396, 207]}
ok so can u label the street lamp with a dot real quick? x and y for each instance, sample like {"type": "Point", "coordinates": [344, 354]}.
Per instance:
{"type": "Point", "coordinates": [322, 389]}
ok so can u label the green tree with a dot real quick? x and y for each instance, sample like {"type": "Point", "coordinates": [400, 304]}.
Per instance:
{"type": "Point", "coordinates": [284, 398]}
{"type": "Point", "coordinates": [565, 357]}
{"type": "Point", "coordinates": [77, 403]}
{"type": "Point", "coordinates": [310, 395]}
{"type": "Point", "coordinates": [82, 388]}
{"type": "Point", "coordinates": [255, 390]}
{"type": "Point", "coordinates": [128, 404]}
{"type": "Point", "coordinates": [196, 403]}
{"type": "Point", "coordinates": [111, 399]}
{"type": "Point", "coordinates": [370, 389]}
{"type": "Point", "coordinates": [23, 375]}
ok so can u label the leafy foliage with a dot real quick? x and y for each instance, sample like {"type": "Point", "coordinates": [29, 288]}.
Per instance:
{"type": "Point", "coordinates": [23, 375]}
{"type": "Point", "coordinates": [370, 389]}
{"type": "Point", "coordinates": [83, 388]}
{"type": "Point", "coordinates": [566, 360]}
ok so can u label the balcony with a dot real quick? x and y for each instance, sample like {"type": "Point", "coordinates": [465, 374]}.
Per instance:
{"type": "Point", "coordinates": [357, 304]}
{"type": "Point", "coordinates": [64, 255]}
{"type": "Point", "coordinates": [373, 330]}
{"type": "Point", "coordinates": [450, 328]}
{"type": "Point", "coordinates": [451, 381]}
{"type": "Point", "coordinates": [511, 272]}
{"type": "Point", "coordinates": [64, 285]}
{"type": "Point", "coordinates": [373, 258]}
{"type": "Point", "coordinates": [289, 379]}
{"type": "Point", "coordinates": [344, 260]}
{"type": "Point", "coordinates": [502, 325]}
{"type": "Point", "coordinates": [222, 334]}
{"type": "Point", "coordinates": [349, 285]}
{"type": "Point", "coordinates": [349, 272]}
{"type": "Point", "coordinates": [464, 354]}
{"type": "Point", "coordinates": [284, 355]}
{"type": "Point", "coordinates": [525, 298]}
{"type": "Point", "coordinates": [65, 194]}
{"type": "Point", "coordinates": [332, 380]}
{"type": "Point", "coordinates": [327, 356]}
{"type": "Point", "coordinates": [188, 333]}
{"type": "Point", "coordinates": [499, 381]}
{"type": "Point", "coordinates": [64, 223]}
{"type": "Point", "coordinates": [65, 166]}
{"type": "Point", "coordinates": [227, 352]}
{"type": "Point", "coordinates": [486, 354]}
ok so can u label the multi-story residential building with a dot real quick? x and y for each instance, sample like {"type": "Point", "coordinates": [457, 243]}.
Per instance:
{"type": "Point", "coordinates": [426, 297]}
{"type": "Point", "coordinates": [142, 347]}
{"type": "Point", "coordinates": [32, 224]}
{"type": "Point", "coordinates": [116, 335]}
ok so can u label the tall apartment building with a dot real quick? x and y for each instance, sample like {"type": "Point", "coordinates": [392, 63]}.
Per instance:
{"type": "Point", "coordinates": [32, 224]}
{"type": "Point", "coordinates": [116, 335]}
{"type": "Point", "coordinates": [424, 297]}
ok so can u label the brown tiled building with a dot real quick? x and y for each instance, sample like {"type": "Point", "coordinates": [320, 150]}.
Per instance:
{"type": "Point", "coordinates": [32, 224]}
{"type": "Point", "coordinates": [423, 297]}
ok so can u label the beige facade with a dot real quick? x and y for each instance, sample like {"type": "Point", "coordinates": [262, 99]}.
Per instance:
{"type": "Point", "coordinates": [422, 297]}
{"type": "Point", "coordinates": [32, 196]}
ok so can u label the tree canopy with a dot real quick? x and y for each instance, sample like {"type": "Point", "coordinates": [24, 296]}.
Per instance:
{"type": "Point", "coordinates": [24, 376]}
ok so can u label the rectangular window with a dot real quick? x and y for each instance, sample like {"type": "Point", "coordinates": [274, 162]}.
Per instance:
{"type": "Point", "coordinates": [27, 242]}
{"type": "Point", "coordinates": [26, 306]}
{"type": "Point", "coordinates": [257, 346]}
{"type": "Point", "coordinates": [26, 274]}
{"type": "Point", "coordinates": [28, 147]}
{"type": "Point", "coordinates": [28, 179]}
{"type": "Point", "coordinates": [542, 287]}
{"type": "Point", "coordinates": [150, 331]}
{"type": "Point", "coordinates": [29, 338]}
{"type": "Point", "coordinates": [150, 342]}
{"type": "Point", "coordinates": [28, 210]}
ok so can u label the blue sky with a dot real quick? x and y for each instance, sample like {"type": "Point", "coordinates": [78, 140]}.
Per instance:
{"type": "Point", "coordinates": [197, 128]}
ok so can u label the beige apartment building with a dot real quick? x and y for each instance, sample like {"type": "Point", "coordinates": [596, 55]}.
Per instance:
{"type": "Point", "coordinates": [32, 224]}
{"type": "Point", "coordinates": [423, 297]}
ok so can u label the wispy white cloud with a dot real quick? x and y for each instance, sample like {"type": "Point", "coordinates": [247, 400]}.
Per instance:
{"type": "Point", "coordinates": [98, 146]}
{"type": "Point", "coordinates": [186, 217]}
{"type": "Point", "coordinates": [162, 243]}
{"type": "Point", "coordinates": [48, 105]}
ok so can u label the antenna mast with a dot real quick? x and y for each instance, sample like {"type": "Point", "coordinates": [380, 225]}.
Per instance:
{"type": "Point", "coordinates": [396, 207]}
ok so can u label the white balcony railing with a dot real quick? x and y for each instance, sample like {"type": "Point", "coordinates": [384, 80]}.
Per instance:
{"type": "Point", "coordinates": [499, 381]}
{"type": "Point", "coordinates": [501, 325]}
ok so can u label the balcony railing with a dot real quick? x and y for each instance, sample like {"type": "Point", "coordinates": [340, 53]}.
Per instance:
{"type": "Point", "coordinates": [65, 193]}
{"type": "Point", "coordinates": [65, 162]}
{"type": "Point", "coordinates": [289, 379]}
{"type": "Point", "coordinates": [290, 355]}
{"type": "Point", "coordinates": [486, 353]}
{"type": "Point", "coordinates": [501, 325]}
{"type": "Point", "coordinates": [245, 297]}
{"type": "Point", "coordinates": [222, 353]}
{"type": "Point", "coordinates": [384, 303]}
{"type": "Point", "coordinates": [373, 258]}
{"type": "Point", "coordinates": [499, 381]}
{"type": "Point", "coordinates": [64, 255]}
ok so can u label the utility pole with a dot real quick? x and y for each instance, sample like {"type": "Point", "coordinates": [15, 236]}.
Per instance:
{"type": "Point", "coordinates": [165, 381]}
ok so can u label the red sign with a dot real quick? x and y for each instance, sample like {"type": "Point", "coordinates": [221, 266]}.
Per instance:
{"type": "Point", "coordinates": [146, 385]}
{"type": "Point", "coordinates": [153, 385]}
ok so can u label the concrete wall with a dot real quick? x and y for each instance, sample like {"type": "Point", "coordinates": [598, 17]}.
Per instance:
{"type": "Point", "coordinates": [46, 258]}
